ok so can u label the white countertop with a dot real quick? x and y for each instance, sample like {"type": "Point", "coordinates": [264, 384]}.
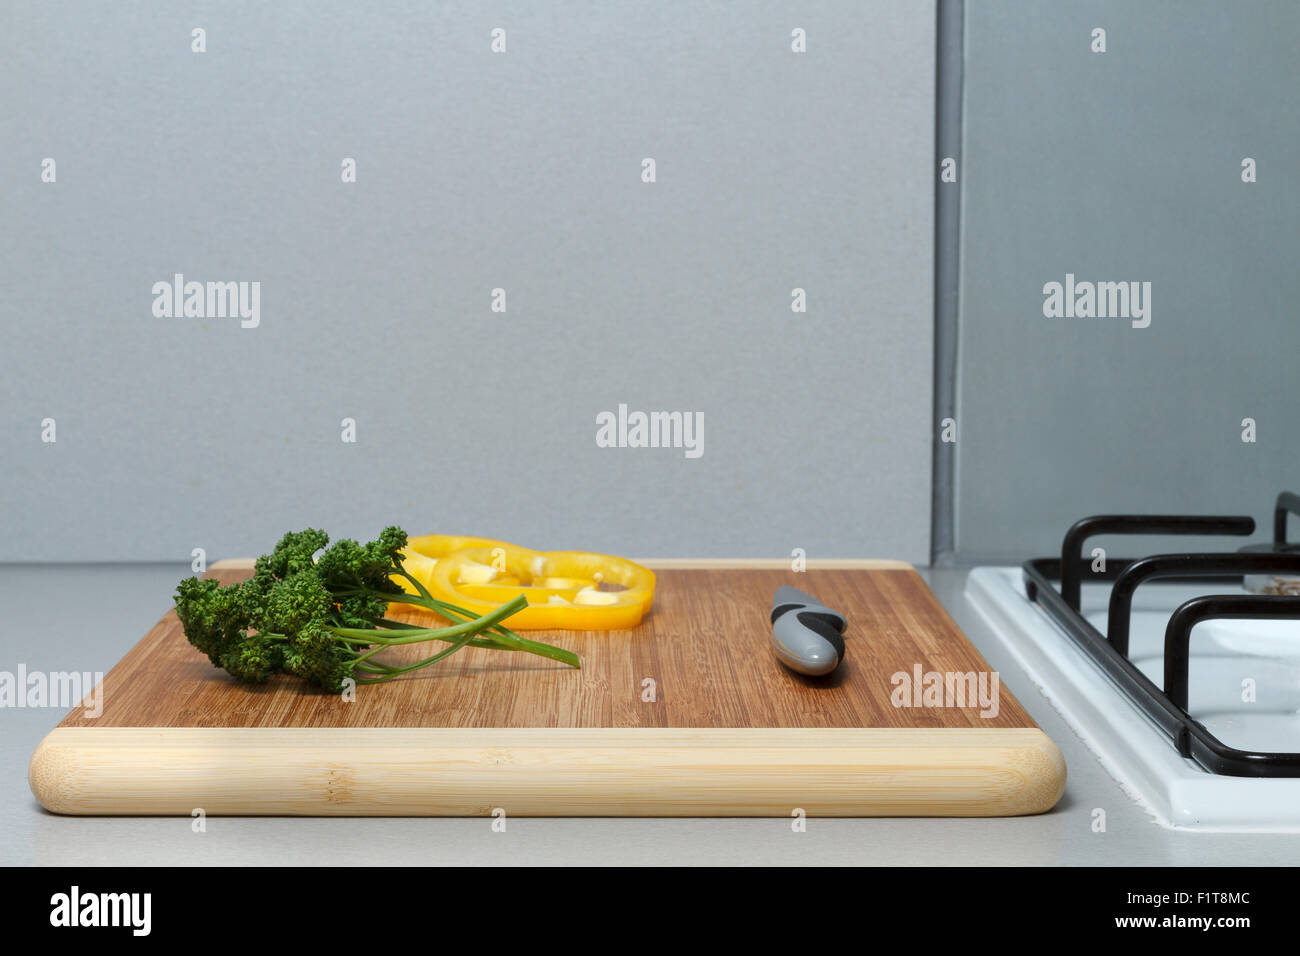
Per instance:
{"type": "Point", "coordinates": [48, 608]}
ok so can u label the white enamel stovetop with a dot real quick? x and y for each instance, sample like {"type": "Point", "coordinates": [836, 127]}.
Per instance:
{"type": "Point", "coordinates": [1141, 757]}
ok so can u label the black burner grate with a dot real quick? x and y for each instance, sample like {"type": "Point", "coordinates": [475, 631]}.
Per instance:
{"type": "Point", "coordinates": [1168, 707]}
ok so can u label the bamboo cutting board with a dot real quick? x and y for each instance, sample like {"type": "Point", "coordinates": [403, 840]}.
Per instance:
{"type": "Point", "coordinates": [689, 714]}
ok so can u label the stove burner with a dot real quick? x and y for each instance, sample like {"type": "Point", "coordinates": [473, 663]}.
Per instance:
{"type": "Point", "coordinates": [1285, 584]}
{"type": "Point", "coordinates": [1265, 565]}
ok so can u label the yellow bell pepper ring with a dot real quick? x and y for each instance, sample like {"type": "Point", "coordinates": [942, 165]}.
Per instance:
{"type": "Point", "coordinates": [576, 590]}
{"type": "Point", "coordinates": [422, 553]}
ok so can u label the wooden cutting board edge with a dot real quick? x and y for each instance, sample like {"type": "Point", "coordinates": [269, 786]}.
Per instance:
{"type": "Point", "coordinates": [687, 772]}
{"type": "Point", "coordinates": [690, 772]}
{"type": "Point", "coordinates": [692, 564]}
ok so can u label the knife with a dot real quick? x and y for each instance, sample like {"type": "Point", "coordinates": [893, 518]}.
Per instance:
{"type": "Point", "coordinates": [806, 634]}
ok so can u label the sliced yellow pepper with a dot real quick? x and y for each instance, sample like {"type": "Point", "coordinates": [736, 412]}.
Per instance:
{"type": "Point", "coordinates": [422, 553]}
{"type": "Point", "coordinates": [576, 590]}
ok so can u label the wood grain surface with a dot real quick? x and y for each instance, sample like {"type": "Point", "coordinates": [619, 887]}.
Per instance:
{"type": "Point", "coordinates": [705, 645]}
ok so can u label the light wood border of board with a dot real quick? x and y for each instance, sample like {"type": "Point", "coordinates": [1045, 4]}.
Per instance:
{"type": "Point", "coordinates": [697, 564]}
{"type": "Point", "coordinates": [679, 772]}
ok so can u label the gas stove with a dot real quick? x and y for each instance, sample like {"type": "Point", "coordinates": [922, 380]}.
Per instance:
{"type": "Point", "coordinates": [1181, 671]}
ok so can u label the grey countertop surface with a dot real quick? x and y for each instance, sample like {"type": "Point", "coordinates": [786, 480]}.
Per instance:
{"type": "Point", "coordinates": [85, 617]}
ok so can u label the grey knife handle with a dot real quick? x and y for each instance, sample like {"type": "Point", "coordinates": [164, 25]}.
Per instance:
{"type": "Point", "coordinates": [806, 635]}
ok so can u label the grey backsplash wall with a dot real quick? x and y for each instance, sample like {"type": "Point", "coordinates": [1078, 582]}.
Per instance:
{"type": "Point", "coordinates": [476, 171]}
{"type": "Point", "coordinates": [1126, 165]}
{"type": "Point", "coordinates": [521, 171]}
